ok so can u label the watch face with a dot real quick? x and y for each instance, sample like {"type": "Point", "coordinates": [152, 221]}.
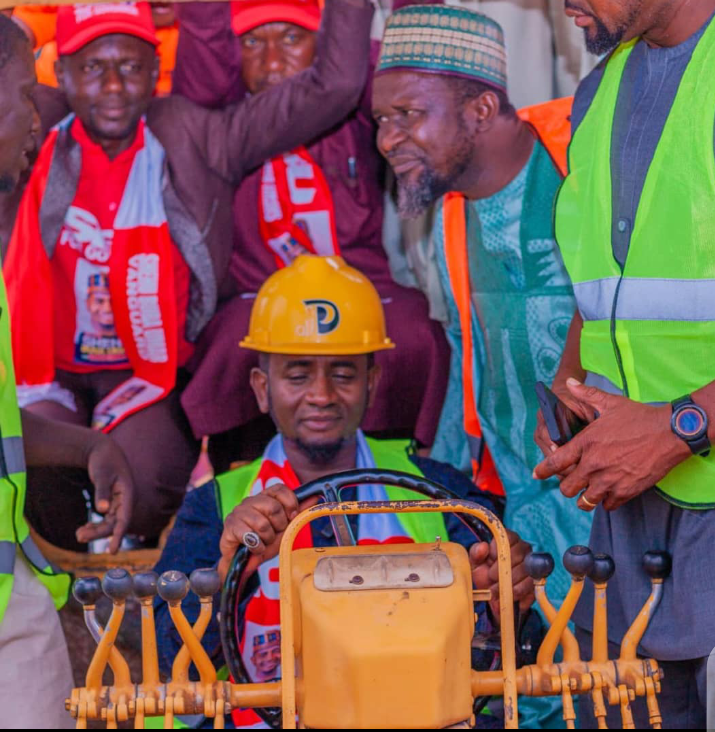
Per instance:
{"type": "Point", "coordinates": [689, 422]}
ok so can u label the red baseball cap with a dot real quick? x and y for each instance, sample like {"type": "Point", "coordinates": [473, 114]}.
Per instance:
{"type": "Point", "coordinates": [78, 25]}
{"type": "Point", "coordinates": [249, 14]}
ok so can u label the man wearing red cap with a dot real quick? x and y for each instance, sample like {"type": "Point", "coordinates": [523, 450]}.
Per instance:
{"type": "Point", "coordinates": [140, 189]}
{"type": "Point", "coordinates": [324, 197]}
{"type": "Point", "coordinates": [39, 22]}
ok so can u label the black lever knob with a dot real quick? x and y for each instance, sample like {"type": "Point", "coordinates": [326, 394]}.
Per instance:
{"type": "Point", "coordinates": [87, 590]}
{"type": "Point", "coordinates": [578, 561]}
{"type": "Point", "coordinates": [539, 566]}
{"type": "Point", "coordinates": [205, 582]}
{"type": "Point", "coordinates": [117, 584]}
{"type": "Point", "coordinates": [603, 569]}
{"type": "Point", "coordinates": [657, 565]}
{"type": "Point", "coordinates": [173, 586]}
{"type": "Point", "coordinates": [145, 585]}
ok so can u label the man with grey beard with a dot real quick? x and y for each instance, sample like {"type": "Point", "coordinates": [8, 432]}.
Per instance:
{"type": "Point", "coordinates": [446, 127]}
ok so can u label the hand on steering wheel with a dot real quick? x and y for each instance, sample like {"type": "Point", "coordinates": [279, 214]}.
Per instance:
{"type": "Point", "coordinates": [485, 571]}
{"type": "Point", "coordinates": [265, 516]}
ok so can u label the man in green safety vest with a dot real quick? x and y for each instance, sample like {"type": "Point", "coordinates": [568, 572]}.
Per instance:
{"type": "Point", "coordinates": [35, 674]}
{"type": "Point", "coordinates": [635, 221]}
{"type": "Point", "coordinates": [315, 325]}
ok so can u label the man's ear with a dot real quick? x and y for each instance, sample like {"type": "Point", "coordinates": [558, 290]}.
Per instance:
{"type": "Point", "coordinates": [259, 384]}
{"type": "Point", "coordinates": [374, 375]}
{"type": "Point", "coordinates": [480, 112]}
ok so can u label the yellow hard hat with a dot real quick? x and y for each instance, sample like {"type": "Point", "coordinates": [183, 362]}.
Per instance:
{"type": "Point", "coordinates": [317, 306]}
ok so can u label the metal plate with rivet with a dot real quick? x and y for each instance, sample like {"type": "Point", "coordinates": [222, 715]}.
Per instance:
{"type": "Point", "coordinates": [383, 571]}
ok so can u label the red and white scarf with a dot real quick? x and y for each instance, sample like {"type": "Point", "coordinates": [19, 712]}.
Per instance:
{"type": "Point", "coordinates": [141, 285]}
{"type": "Point", "coordinates": [260, 642]}
{"type": "Point", "coordinates": [295, 208]}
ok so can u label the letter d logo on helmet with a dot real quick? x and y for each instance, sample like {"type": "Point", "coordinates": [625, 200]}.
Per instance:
{"type": "Point", "coordinates": [327, 314]}
{"type": "Point", "coordinates": [317, 306]}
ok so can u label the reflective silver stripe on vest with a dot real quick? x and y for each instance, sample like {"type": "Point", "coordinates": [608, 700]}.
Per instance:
{"type": "Point", "coordinates": [30, 550]}
{"type": "Point", "coordinates": [602, 383]}
{"type": "Point", "coordinates": [35, 555]}
{"type": "Point", "coordinates": [14, 456]}
{"type": "Point", "coordinates": [642, 298]}
{"type": "Point", "coordinates": [7, 557]}
{"type": "Point", "coordinates": [595, 298]}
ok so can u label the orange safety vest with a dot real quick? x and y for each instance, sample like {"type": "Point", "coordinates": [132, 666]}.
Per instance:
{"type": "Point", "coordinates": [551, 124]}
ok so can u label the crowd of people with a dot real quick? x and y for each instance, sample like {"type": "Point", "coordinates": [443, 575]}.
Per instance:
{"type": "Point", "coordinates": [196, 222]}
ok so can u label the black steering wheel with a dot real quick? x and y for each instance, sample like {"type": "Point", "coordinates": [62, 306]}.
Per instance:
{"type": "Point", "coordinates": [328, 488]}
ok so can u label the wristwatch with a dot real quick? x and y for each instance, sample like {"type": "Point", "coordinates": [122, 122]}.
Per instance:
{"type": "Point", "coordinates": [690, 423]}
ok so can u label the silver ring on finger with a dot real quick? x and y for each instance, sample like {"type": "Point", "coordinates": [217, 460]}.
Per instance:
{"type": "Point", "coordinates": [251, 540]}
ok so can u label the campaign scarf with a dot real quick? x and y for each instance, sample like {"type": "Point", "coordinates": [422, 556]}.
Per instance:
{"type": "Point", "coordinates": [295, 208]}
{"type": "Point", "coordinates": [141, 286]}
{"type": "Point", "coordinates": [260, 640]}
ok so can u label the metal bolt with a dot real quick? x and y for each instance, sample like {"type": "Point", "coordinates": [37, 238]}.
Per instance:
{"type": "Point", "coordinates": [412, 578]}
{"type": "Point", "coordinates": [357, 580]}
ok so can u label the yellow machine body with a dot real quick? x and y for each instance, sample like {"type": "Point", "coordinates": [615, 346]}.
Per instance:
{"type": "Point", "coordinates": [377, 637]}
{"type": "Point", "coordinates": [383, 636]}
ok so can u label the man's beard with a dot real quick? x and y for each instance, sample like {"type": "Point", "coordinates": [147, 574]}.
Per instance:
{"type": "Point", "coordinates": [414, 199]}
{"type": "Point", "coordinates": [323, 454]}
{"type": "Point", "coordinates": [605, 40]}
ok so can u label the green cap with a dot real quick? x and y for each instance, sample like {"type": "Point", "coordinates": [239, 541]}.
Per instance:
{"type": "Point", "coordinates": [443, 39]}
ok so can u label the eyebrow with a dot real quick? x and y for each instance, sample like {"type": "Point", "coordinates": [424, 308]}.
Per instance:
{"type": "Point", "coordinates": [297, 363]}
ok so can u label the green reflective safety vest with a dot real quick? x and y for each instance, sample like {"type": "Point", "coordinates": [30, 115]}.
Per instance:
{"type": "Point", "coordinates": [13, 527]}
{"type": "Point", "coordinates": [236, 485]}
{"type": "Point", "coordinates": [649, 327]}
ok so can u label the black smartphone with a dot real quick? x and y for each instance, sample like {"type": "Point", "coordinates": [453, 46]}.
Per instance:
{"type": "Point", "coordinates": [561, 422]}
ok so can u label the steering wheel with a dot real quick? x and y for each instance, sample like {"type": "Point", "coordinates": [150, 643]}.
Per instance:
{"type": "Point", "coordinates": [328, 488]}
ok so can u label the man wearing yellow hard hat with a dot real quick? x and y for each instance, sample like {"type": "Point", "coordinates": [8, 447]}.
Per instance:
{"type": "Point", "coordinates": [316, 325]}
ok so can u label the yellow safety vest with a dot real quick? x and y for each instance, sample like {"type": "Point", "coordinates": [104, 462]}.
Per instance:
{"type": "Point", "coordinates": [14, 531]}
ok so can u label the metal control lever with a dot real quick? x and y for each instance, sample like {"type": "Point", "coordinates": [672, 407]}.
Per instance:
{"type": "Point", "coordinates": [539, 567]}
{"type": "Point", "coordinates": [87, 590]}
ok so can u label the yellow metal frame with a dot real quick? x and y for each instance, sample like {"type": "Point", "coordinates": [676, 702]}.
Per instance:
{"type": "Point", "coordinates": [507, 676]}
{"type": "Point", "coordinates": [609, 682]}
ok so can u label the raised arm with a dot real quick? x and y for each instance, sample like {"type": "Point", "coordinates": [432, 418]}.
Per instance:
{"type": "Point", "coordinates": [241, 137]}
{"type": "Point", "coordinates": [208, 57]}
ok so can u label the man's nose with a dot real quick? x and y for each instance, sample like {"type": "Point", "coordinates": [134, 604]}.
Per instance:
{"type": "Point", "coordinates": [389, 137]}
{"type": "Point", "coordinates": [112, 80]}
{"type": "Point", "coordinates": [273, 58]}
{"type": "Point", "coordinates": [321, 390]}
